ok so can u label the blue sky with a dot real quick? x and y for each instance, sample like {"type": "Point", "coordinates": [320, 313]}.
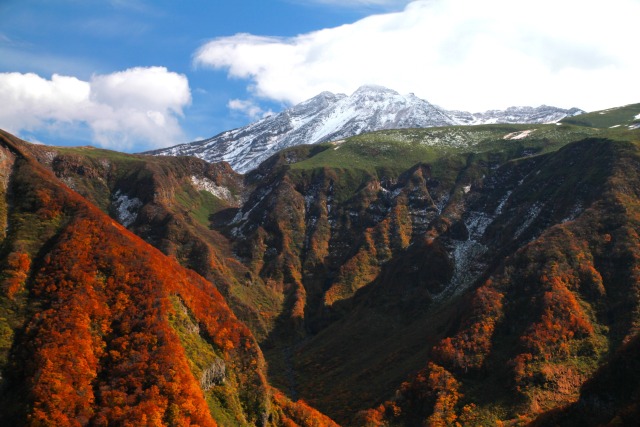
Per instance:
{"type": "Point", "coordinates": [139, 74]}
{"type": "Point", "coordinates": [83, 38]}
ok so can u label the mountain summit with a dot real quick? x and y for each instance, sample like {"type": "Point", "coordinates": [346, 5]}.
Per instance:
{"type": "Point", "coordinates": [329, 116]}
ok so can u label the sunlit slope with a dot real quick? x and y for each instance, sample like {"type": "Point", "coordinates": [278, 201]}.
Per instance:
{"type": "Point", "coordinates": [169, 202]}
{"type": "Point", "coordinates": [100, 328]}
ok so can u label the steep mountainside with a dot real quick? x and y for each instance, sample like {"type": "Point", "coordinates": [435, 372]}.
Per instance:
{"type": "Point", "coordinates": [168, 202]}
{"type": "Point", "coordinates": [555, 308]}
{"type": "Point", "coordinates": [329, 117]}
{"type": "Point", "coordinates": [378, 256]}
{"type": "Point", "coordinates": [100, 328]}
{"type": "Point", "coordinates": [473, 275]}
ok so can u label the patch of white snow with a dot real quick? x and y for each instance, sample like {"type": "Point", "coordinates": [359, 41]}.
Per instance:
{"type": "Point", "coordinates": [528, 220]}
{"type": "Point", "coordinates": [126, 208]}
{"type": "Point", "coordinates": [502, 202]}
{"type": "Point", "coordinates": [395, 193]}
{"type": "Point", "coordinates": [465, 254]}
{"type": "Point", "coordinates": [518, 135]}
{"type": "Point", "coordinates": [442, 203]}
{"type": "Point", "coordinates": [577, 210]}
{"type": "Point", "coordinates": [477, 223]}
{"type": "Point", "coordinates": [243, 216]}
{"type": "Point", "coordinates": [205, 184]}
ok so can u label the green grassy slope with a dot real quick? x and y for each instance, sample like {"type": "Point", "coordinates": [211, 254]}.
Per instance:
{"type": "Point", "coordinates": [627, 116]}
{"type": "Point", "coordinates": [400, 149]}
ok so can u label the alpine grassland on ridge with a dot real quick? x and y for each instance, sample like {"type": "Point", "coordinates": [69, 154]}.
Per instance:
{"type": "Point", "coordinates": [626, 117]}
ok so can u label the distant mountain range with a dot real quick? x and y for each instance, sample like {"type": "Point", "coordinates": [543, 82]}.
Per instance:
{"type": "Point", "coordinates": [329, 116]}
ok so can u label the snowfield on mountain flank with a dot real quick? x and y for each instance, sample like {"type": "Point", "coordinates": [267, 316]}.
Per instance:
{"type": "Point", "coordinates": [126, 208]}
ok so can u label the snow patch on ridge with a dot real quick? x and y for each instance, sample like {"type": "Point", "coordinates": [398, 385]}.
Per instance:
{"type": "Point", "coordinates": [442, 203]}
{"type": "Point", "coordinates": [126, 208]}
{"type": "Point", "coordinates": [502, 202]}
{"type": "Point", "coordinates": [205, 184]}
{"type": "Point", "coordinates": [518, 135]}
{"type": "Point", "coordinates": [528, 220]}
{"type": "Point", "coordinates": [466, 254]}
{"type": "Point", "coordinates": [577, 210]}
{"type": "Point", "coordinates": [241, 216]}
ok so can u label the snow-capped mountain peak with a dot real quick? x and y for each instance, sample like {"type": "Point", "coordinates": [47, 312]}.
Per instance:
{"type": "Point", "coordinates": [328, 116]}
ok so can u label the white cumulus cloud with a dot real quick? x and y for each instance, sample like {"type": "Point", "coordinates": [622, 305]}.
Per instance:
{"type": "Point", "coordinates": [248, 107]}
{"type": "Point", "coordinates": [463, 54]}
{"type": "Point", "coordinates": [135, 108]}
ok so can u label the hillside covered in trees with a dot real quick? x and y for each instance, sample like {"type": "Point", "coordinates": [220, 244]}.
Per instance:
{"type": "Point", "coordinates": [419, 277]}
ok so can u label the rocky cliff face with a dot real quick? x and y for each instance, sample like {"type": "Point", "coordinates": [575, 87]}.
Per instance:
{"type": "Point", "coordinates": [410, 277]}
{"type": "Point", "coordinates": [471, 270]}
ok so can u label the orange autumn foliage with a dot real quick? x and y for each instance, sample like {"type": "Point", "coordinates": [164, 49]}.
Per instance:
{"type": "Point", "coordinates": [99, 357]}
{"type": "Point", "coordinates": [445, 387]}
{"type": "Point", "coordinates": [299, 414]}
{"type": "Point", "coordinates": [430, 399]}
{"type": "Point", "coordinates": [372, 417]}
{"type": "Point", "coordinates": [562, 320]}
{"type": "Point", "coordinates": [469, 347]}
{"type": "Point", "coordinates": [99, 348]}
{"type": "Point", "coordinates": [18, 265]}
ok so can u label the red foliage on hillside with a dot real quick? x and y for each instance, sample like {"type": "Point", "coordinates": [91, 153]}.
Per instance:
{"type": "Point", "coordinates": [294, 414]}
{"type": "Point", "coordinates": [100, 348]}
{"type": "Point", "coordinates": [18, 265]}
{"type": "Point", "coordinates": [429, 399]}
{"type": "Point", "coordinates": [562, 319]}
{"type": "Point", "coordinates": [103, 351]}
{"type": "Point", "coordinates": [469, 347]}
